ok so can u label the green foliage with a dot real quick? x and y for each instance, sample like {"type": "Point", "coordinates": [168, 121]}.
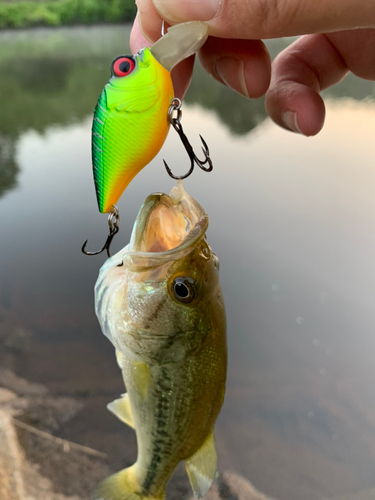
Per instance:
{"type": "Point", "coordinates": [55, 12]}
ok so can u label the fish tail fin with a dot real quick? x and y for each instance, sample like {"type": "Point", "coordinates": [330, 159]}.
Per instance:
{"type": "Point", "coordinates": [122, 486]}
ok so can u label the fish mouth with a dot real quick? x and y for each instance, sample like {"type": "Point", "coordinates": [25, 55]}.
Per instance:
{"type": "Point", "coordinates": [166, 229]}
{"type": "Point", "coordinates": [180, 42]}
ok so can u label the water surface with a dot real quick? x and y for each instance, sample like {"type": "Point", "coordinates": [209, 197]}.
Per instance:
{"type": "Point", "coordinates": [291, 218]}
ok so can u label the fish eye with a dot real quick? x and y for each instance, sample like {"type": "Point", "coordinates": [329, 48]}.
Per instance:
{"type": "Point", "coordinates": [123, 65]}
{"type": "Point", "coordinates": [183, 289]}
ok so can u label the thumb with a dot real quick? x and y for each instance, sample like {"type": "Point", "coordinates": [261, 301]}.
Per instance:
{"type": "Point", "coordinates": [269, 18]}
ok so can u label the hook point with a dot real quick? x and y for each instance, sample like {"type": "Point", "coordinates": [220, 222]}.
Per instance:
{"type": "Point", "coordinates": [176, 123]}
{"type": "Point", "coordinates": [113, 220]}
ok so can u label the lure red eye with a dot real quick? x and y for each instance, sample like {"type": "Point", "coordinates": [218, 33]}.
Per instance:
{"type": "Point", "coordinates": [123, 66]}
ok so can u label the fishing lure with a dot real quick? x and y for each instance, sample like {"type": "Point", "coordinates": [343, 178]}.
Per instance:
{"type": "Point", "coordinates": [133, 115]}
{"type": "Point", "coordinates": [130, 123]}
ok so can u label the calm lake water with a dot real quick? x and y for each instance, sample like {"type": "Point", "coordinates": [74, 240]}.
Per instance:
{"type": "Point", "coordinates": [292, 220]}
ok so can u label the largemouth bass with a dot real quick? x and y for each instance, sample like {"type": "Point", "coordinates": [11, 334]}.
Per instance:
{"type": "Point", "coordinates": [159, 302]}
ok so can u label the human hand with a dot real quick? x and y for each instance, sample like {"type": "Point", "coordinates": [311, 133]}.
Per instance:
{"type": "Point", "coordinates": [342, 40]}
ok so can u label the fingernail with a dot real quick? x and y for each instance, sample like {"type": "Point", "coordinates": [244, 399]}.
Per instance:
{"type": "Point", "coordinates": [289, 119]}
{"type": "Point", "coordinates": [232, 73]}
{"type": "Point", "coordinates": [187, 10]}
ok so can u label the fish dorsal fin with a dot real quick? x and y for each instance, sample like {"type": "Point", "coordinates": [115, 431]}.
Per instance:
{"type": "Point", "coordinates": [201, 467]}
{"type": "Point", "coordinates": [132, 100]}
{"type": "Point", "coordinates": [141, 377]}
{"type": "Point", "coordinates": [122, 410]}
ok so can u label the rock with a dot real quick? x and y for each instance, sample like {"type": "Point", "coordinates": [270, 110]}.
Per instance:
{"type": "Point", "coordinates": [20, 385]}
{"type": "Point", "coordinates": [34, 463]}
{"type": "Point", "coordinates": [31, 402]}
{"type": "Point", "coordinates": [11, 404]}
{"type": "Point", "coordinates": [56, 470]}
{"type": "Point", "coordinates": [6, 396]}
{"type": "Point", "coordinates": [230, 486]}
{"type": "Point", "coordinates": [11, 483]}
{"type": "Point", "coordinates": [49, 413]}
{"type": "Point", "coordinates": [39, 487]}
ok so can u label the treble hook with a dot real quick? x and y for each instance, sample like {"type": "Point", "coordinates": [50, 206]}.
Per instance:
{"type": "Point", "coordinates": [176, 123]}
{"type": "Point", "coordinates": [113, 223]}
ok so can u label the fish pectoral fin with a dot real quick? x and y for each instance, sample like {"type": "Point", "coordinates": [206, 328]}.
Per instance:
{"type": "Point", "coordinates": [141, 376]}
{"type": "Point", "coordinates": [134, 100]}
{"type": "Point", "coordinates": [201, 467]}
{"type": "Point", "coordinates": [122, 410]}
{"type": "Point", "coordinates": [119, 358]}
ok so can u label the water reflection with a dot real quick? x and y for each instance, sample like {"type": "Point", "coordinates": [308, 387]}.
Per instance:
{"type": "Point", "coordinates": [8, 166]}
{"type": "Point", "coordinates": [50, 77]}
{"type": "Point", "coordinates": [292, 220]}
{"type": "Point", "coordinates": [53, 77]}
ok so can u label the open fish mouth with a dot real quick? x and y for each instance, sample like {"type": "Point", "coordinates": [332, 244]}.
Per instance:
{"type": "Point", "coordinates": [166, 229]}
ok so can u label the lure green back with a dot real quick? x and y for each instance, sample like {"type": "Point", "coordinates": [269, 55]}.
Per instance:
{"type": "Point", "coordinates": [130, 123]}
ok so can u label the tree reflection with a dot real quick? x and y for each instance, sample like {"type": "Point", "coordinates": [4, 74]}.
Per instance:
{"type": "Point", "coordinates": [39, 93]}
{"type": "Point", "coordinates": [8, 166]}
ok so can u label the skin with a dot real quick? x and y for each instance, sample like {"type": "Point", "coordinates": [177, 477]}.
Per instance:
{"type": "Point", "coordinates": [341, 39]}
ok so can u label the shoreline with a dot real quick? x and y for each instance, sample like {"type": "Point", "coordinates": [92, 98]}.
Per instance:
{"type": "Point", "coordinates": [27, 13]}
{"type": "Point", "coordinates": [50, 27]}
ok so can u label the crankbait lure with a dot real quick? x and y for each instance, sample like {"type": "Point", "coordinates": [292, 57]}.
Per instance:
{"type": "Point", "coordinates": [130, 123]}
{"type": "Point", "coordinates": [131, 118]}
{"type": "Point", "coordinates": [133, 114]}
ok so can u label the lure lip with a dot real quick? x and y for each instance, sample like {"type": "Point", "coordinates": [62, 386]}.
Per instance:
{"type": "Point", "coordinates": [180, 42]}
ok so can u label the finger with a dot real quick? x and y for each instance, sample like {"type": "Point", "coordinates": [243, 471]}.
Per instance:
{"type": "Point", "coordinates": [357, 49]}
{"type": "Point", "coordinates": [150, 21]}
{"type": "Point", "coordinates": [137, 39]}
{"type": "Point", "coordinates": [264, 18]}
{"type": "Point", "coordinates": [242, 65]}
{"type": "Point", "coordinates": [299, 74]}
{"type": "Point", "coordinates": [181, 74]}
